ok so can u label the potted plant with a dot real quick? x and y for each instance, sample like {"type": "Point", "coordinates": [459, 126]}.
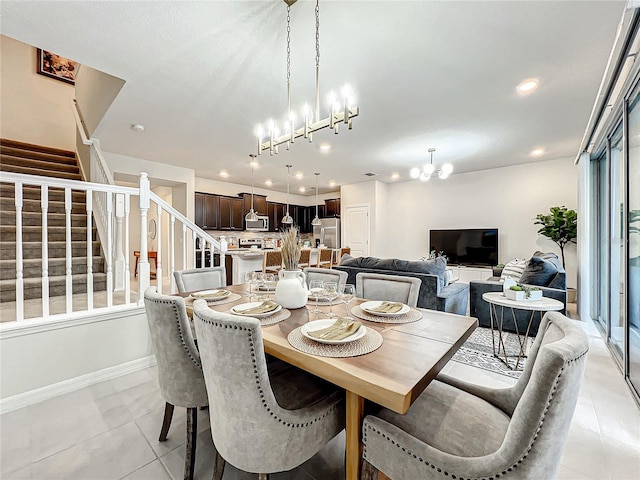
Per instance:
{"type": "Point", "coordinates": [521, 293]}
{"type": "Point", "coordinates": [561, 226]}
{"type": "Point", "coordinates": [497, 270]}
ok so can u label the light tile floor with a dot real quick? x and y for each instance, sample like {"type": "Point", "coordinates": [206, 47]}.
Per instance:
{"type": "Point", "coordinates": [109, 431]}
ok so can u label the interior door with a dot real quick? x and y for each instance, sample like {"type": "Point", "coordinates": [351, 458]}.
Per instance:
{"type": "Point", "coordinates": [356, 229]}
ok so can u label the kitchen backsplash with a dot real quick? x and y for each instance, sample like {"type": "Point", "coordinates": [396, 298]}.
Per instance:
{"type": "Point", "coordinates": [234, 237]}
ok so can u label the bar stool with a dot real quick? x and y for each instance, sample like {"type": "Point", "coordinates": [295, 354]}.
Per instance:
{"type": "Point", "coordinates": [325, 258]}
{"type": "Point", "coordinates": [272, 261]}
{"type": "Point", "coordinates": [305, 258]}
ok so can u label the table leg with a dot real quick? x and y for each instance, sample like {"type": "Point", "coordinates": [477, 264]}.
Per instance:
{"type": "Point", "coordinates": [355, 415]}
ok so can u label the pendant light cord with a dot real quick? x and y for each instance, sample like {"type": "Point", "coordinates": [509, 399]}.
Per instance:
{"type": "Point", "coordinates": [317, 60]}
{"type": "Point", "coordinates": [288, 61]}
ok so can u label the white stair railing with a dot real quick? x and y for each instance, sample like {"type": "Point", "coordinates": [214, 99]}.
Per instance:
{"type": "Point", "coordinates": [117, 204]}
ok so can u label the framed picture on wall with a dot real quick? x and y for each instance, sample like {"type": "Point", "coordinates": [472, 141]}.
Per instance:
{"type": "Point", "coordinates": [54, 66]}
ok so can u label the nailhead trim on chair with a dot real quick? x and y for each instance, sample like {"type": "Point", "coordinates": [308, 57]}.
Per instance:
{"type": "Point", "coordinates": [184, 345]}
{"type": "Point", "coordinates": [497, 475]}
{"type": "Point", "coordinates": [257, 378]}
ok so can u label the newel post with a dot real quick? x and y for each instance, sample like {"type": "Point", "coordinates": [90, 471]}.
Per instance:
{"type": "Point", "coordinates": [143, 261]}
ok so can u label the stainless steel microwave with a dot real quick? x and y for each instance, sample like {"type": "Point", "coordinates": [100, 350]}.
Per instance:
{"type": "Point", "coordinates": [259, 225]}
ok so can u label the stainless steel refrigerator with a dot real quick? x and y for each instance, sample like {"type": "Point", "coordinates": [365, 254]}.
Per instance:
{"type": "Point", "coordinates": [328, 233]}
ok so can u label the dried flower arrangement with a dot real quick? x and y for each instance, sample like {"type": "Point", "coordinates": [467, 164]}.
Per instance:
{"type": "Point", "coordinates": [290, 248]}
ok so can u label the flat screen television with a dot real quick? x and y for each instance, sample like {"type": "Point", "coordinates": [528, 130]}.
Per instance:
{"type": "Point", "coordinates": [469, 246]}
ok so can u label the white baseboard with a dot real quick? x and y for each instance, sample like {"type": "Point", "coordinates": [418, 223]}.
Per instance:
{"type": "Point", "coordinates": [44, 393]}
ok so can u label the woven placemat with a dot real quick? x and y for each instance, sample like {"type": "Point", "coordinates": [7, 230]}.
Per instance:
{"type": "Point", "coordinates": [367, 344]}
{"type": "Point", "coordinates": [277, 317]}
{"type": "Point", "coordinates": [411, 316]}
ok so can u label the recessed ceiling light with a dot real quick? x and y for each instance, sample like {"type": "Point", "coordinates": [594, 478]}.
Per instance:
{"type": "Point", "coordinates": [325, 147]}
{"type": "Point", "coordinates": [395, 176]}
{"type": "Point", "coordinates": [527, 86]}
{"type": "Point", "coordinates": [332, 183]}
{"type": "Point", "coordinates": [537, 152]}
{"type": "Point", "coordinates": [268, 183]}
{"type": "Point", "coordinates": [137, 127]}
{"type": "Point", "coordinates": [299, 175]}
{"type": "Point", "coordinates": [224, 173]}
{"type": "Point", "coordinates": [302, 189]}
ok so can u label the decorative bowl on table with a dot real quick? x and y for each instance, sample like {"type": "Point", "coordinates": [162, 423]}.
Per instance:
{"type": "Point", "coordinates": [325, 323]}
{"type": "Point", "coordinates": [376, 307]}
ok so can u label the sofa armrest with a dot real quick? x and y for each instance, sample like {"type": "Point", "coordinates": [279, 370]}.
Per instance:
{"type": "Point", "coordinates": [480, 309]}
{"type": "Point", "coordinates": [454, 298]}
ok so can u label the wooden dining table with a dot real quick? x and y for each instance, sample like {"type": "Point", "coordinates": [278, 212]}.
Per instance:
{"type": "Point", "coordinates": [392, 376]}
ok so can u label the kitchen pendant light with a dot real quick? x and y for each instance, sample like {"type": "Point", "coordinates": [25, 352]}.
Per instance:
{"type": "Point", "coordinates": [316, 222]}
{"type": "Point", "coordinates": [287, 220]}
{"type": "Point", "coordinates": [252, 216]}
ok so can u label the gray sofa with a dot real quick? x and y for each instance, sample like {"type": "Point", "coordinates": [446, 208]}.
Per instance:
{"type": "Point", "coordinates": [434, 294]}
{"type": "Point", "coordinates": [543, 270]}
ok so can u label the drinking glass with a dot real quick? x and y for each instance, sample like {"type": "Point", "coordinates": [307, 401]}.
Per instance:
{"type": "Point", "coordinates": [347, 293]}
{"type": "Point", "coordinates": [269, 280]}
{"type": "Point", "coordinates": [316, 291]}
{"type": "Point", "coordinates": [331, 293]}
{"type": "Point", "coordinates": [258, 282]}
{"type": "Point", "coordinates": [250, 278]}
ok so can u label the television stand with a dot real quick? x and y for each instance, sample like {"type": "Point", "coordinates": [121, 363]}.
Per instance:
{"type": "Point", "coordinates": [466, 274]}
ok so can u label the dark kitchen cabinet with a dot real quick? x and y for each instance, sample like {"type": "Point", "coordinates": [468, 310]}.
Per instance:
{"type": "Point", "coordinates": [207, 211]}
{"type": "Point", "coordinates": [231, 213]}
{"type": "Point", "coordinates": [259, 203]}
{"type": "Point", "coordinates": [332, 207]}
{"type": "Point", "coordinates": [275, 211]}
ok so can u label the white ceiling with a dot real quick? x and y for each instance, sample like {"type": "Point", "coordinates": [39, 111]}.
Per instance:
{"type": "Point", "coordinates": [201, 75]}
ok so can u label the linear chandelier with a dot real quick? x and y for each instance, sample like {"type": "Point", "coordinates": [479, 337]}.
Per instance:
{"type": "Point", "coordinates": [340, 112]}
{"type": "Point", "coordinates": [430, 170]}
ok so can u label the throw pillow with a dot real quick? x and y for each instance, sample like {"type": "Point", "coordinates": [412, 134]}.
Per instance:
{"type": "Point", "coordinates": [539, 272]}
{"type": "Point", "coordinates": [513, 269]}
{"type": "Point", "coordinates": [345, 257]}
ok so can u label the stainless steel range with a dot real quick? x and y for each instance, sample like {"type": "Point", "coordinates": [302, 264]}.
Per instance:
{"type": "Point", "coordinates": [250, 243]}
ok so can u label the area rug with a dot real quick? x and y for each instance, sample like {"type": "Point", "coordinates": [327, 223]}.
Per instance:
{"type": "Point", "coordinates": [477, 351]}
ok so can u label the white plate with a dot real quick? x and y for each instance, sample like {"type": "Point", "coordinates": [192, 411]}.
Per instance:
{"type": "Point", "coordinates": [201, 295]}
{"type": "Point", "coordinates": [238, 309]}
{"type": "Point", "coordinates": [327, 322]}
{"type": "Point", "coordinates": [368, 306]}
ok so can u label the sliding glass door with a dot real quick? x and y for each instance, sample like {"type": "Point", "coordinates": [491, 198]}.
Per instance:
{"type": "Point", "coordinates": [632, 230]}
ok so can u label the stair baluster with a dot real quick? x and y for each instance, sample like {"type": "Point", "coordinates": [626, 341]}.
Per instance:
{"type": "Point", "coordinates": [44, 205]}
{"type": "Point", "coordinates": [19, 265]}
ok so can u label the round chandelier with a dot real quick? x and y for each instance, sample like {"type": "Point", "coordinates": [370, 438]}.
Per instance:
{"type": "Point", "coordinates": [429, 170]}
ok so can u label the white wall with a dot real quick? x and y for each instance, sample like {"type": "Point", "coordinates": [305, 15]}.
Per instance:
{"type": "Point", "coordinates": [34, 360]}
{"type": "Point", "coordinates": [95, 92]}
{"type": "Point", "coordinates": [34, 108]}
{"type": "Point", "coordinates": [508, 198]}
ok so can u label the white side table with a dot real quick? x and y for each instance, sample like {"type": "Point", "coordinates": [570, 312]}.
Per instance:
{"type": "Point", "coordinates": [496, 299]}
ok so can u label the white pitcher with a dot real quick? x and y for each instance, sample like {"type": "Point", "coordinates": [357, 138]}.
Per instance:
{"type": "Point", "coordinates": [291, 291]}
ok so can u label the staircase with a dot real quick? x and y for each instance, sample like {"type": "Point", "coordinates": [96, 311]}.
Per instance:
{"type": "Point", "coordinates": [25, 158]}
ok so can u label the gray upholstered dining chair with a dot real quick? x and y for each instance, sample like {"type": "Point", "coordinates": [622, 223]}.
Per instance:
{"type": "Point", "coordinates": [179, 369]}
{"type": "Point", "coordinates": [200, 279]}
{"type": "Point", "coordinates": [263, 420]}
{"type": "Point", "coordinates": [326, 275]}
{"type": "Point", "coordinates": [461, 430]}
{"type": "Point", "coordinates": [392, 288]}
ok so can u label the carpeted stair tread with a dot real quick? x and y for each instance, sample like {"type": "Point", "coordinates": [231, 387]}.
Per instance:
{"type": "Point", "coordinates": [35, 171]}
{"type": "Point", "coordinates": [32, 233]}
{"type": "Point", "coordinates": [56, 249]}
{"type": "Point", "coordinates": [5, 142]}
{"type": "Point", "coordinates": [53, 219]}
{"type": "Point", "coordinates": [32, 267]}
{"type": "Point", "coordinates": [7, 190]}
{"type": "Point", "coordinates": [32, 287]}
{"type": "Point", "coordinates": [44, 165]}
{"type": "Point", "coordinates": [42, 156]}
{"type": "Point", "coordinates": [33, 205]}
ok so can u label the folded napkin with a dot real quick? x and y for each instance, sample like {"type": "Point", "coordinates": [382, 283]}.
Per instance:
{"type": "Point", "coordinates": [342, 328]}
{"type": "Point", "coordinates": [387, 307]}
{"type": "Point", "coordinates": [218, 294]}
{"type": "Point", "coordinates": [264, 307]}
